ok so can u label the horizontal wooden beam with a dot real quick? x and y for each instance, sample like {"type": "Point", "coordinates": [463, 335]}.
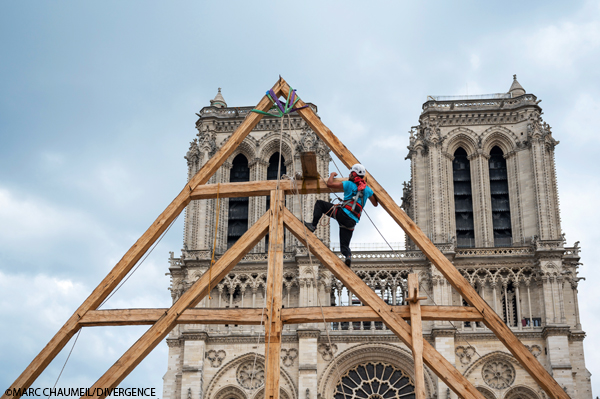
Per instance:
{"type": "Point", "coordinates": [129, 317]}
{"type": "Point", "coordinates": [252, 316]}
{"type": "Point", "coordinates": [366, 313]}
{"type": "Point", "coordinates": [258, 188]}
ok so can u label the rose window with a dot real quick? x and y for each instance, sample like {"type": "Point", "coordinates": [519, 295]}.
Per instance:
{"type": "Point", "coordinates": [498, 374]}
{"type": "Point", "coordinates": [251, 375]}
{"type": "Point", "coordinates": [375, 381]}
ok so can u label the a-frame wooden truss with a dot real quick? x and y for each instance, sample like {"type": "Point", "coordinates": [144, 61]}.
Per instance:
{"type": "Point", "coordinates": [278, 217]}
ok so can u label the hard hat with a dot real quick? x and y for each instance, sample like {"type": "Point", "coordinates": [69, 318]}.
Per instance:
{"type": "Point", "coordinates": [359, 169]}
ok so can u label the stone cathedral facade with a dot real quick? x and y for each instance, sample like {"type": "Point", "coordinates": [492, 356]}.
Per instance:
{"type": "Point", "coordinates": [483, 188]}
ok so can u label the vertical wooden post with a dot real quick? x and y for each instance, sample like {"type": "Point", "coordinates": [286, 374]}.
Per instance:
{"type": "Point", "coordinates": [416, 333]}
{"type": "Point", "coordinates": [274, 297]}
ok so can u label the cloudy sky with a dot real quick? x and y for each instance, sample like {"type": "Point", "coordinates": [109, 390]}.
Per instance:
{"type": "Point", "coordinates": [97, 103]}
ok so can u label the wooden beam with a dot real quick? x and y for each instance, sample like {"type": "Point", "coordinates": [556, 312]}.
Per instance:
{"type": "Point", "coordinates": [273, 326]}
{"type": "Point", "coordinates": [416, 330]}
{"type": "Point", "coordinates": [190, 298]}
{"type": "Point", "coordinates": [492, 320]}
{"type": "Point", "coordinates": [309, 165]}
{"type": "Point", "coordinates": [108, 284]}
{"type": "Point", "coordinates": [130, 317]}
{"type": "Point", "coordinates": [258, 188]}
{"type": "Point", "coordinates": [252, 316]}
{"type": "Point", "coordinates": [365, 313]}
{"type": "Point", "coordinates": [443, 369]}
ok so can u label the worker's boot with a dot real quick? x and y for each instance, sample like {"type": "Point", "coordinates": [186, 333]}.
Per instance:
{"type": "Point", "coordinates": [348, 261]}
{"type": "Point", "coordinates": [310, 227]}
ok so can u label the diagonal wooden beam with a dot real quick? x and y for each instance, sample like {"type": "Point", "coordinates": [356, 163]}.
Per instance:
{"type": "Point", "coordinates": [41, 361]}
{"type": "Point", "coordinates": [252, 316]}
{"type": "Point", "coordinates": [444, 370]}
{"type": "Point", "coordinates": [259, 188]}
{"type": "Point", "coordinates": [138, 351]}
{"type": "Point", "coordinates": [491, 319]}
{"type": "Point", "coordinates": [274, 325]}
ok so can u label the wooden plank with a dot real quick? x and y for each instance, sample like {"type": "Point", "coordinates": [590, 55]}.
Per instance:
{"type": "Point", "coordinates": [101, 292]}
{"type": "Point", "coordinates": [443, 369]}
{"type": "Point", "coordinates": [258, 188]}
{"type": "Point", "coordinates": [492, 320]}
{"type": "Point", "coordinates": [365, 313]}
{"type": "Point", "coordinates": [416, 330]}
{"type": "Point", "coordinates": [129, 317]}
{"type": "Point", "coordinates": [252, 316]}
{"type": "Point", "coordinates": [190, 298]}
{"type": "Point", "coordinates": [309, 165]}
{"type": "Point", "coordinates": [273, 326]}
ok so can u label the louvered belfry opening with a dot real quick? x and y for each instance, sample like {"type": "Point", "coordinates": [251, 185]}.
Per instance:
{"type": "Point", "coordinates": [272, 175]}
{"type": "Point", "coordinates": [237, 222]}
{"type": "Point", "coordinates": [463, 200]}
{"type": "Point", "coordinates": [500, 200]}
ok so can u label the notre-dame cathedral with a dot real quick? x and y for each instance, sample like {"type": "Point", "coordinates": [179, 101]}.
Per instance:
{"type": "Point", "coordinates": [483, 188]}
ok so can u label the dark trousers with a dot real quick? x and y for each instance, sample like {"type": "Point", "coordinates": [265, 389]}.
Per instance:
{"type": "Point", "coordinates": [324, 207]}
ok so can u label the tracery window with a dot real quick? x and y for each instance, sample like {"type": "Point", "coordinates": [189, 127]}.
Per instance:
{"type": "Point", "coordinates": [272, 175]}
{"type": "Point", "coordinates": [237, 223]}
{"type": "Point", "coordinates": [375, 380]}
{"type": "Point", "coordinates": [500, 201]}
{"type": "Point", "coordinates": [463, 200]}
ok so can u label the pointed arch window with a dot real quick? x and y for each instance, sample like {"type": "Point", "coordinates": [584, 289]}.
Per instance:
{"type": "Point", "coordinates": [500, 201]}
{"type": "Point", "coordinates": [237, 222]}
{"type": "Point", "coordinates": [272, 175]}
{"type": "Point", "coordinates": [463, 199]}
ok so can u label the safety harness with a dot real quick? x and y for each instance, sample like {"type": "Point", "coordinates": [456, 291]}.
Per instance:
{"type": "Point", "coordinates": [353, 205]}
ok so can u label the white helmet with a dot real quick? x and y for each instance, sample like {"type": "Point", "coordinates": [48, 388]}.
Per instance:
{"type": "Point", "coordinates": [359, 169]}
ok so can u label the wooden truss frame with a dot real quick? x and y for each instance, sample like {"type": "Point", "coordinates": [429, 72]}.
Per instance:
{"type": "Point", "coordinates": [273, 221]}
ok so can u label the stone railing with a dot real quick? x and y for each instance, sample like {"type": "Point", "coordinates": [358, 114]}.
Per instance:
{"type": "Point", "coordinates": [505, 251]}
{"type": "Point", "coordinates": [469, 105]}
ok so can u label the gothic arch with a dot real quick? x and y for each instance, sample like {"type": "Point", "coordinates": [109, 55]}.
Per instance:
{"type": "Point", "coordinates": [498, 136]}
{"type": "Point", "coordinates": [230, 392]}
{"type": "Point", "coordinates": [214, 384]}
{"type": "Point", "coordinates": [261, 394]}
{"type": "Point", "coordinates": [487, 393]}
{"type": "Point", "coordinates": [460, 137]}
{"type": "Point", "coordinates": [521, 392]}
{"type": "Point", "coordinates": [269, 144]}
{"type": "Point", "coordinates": [362, 353]}
{"type": "Point", "coordinates": [246, 149]}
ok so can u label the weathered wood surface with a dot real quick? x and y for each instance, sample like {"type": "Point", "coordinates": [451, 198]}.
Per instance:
{"type": "Point", "coordinates": [309, 165]}
{"type": "Point", "coordinates": [492, 320]}
{"type": "Point", "coordinates": [124, 266]}
{"type": "Point", "coordinates": [190, 298]}
{"type": "Point", "coordinates": [443, 369]}
{"type": "Point", "coordinates": [258, 188]}
{"type": "Point", "coordinates": [130, 317]}
{"type": "Point", "coordinates": [274, 297]}
{"type": "Point", "coordinates": [252, 316]}
{"type": "Point", "coordinates": [365, 313]}
{"type": "Point", "coordinates": [416, 330]}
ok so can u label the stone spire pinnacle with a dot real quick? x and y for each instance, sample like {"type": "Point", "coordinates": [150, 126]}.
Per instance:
{"type": "Point", "coordinates": [218, 101]}
{"type": "Point", "coordinates": [516, 89]}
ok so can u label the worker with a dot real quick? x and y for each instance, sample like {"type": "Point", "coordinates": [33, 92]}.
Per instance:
{"type": "Point", "coordinates": [347, 213]}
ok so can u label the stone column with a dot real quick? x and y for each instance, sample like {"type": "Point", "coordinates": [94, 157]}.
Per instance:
{"type": "Point", "coordinates": [559, 357]}
{"type": "Point", "coordinates": [444, 343]}
{"type": "Point", "coordinates": [194, 347]}
{"type": "Point", "coordinates": [172, 378]}
{"type": "Point", "coordinates": [307, 363]}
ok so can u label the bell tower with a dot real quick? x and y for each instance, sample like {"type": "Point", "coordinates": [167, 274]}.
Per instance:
{"type": "Point", "coordinates": [482, 171]}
